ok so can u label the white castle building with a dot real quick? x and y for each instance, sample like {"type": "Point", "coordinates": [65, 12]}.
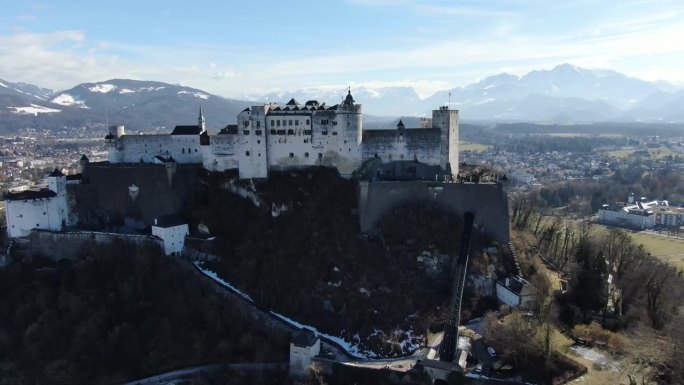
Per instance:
{"type": "Point", "coordinates": [278, 137]}
{"type": "Point", "coordinates": [38, 209]}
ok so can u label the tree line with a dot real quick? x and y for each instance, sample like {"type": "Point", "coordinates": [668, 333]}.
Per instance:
{"type": "Point", "coordinates": [118, 313]}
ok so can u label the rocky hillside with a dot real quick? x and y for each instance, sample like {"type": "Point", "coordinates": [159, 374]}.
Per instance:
{"type": "Point", "coordinates": [293, 244]}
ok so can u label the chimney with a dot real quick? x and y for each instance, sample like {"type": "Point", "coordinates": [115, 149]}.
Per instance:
{"type": "Point", "coordinates": [155, 221]}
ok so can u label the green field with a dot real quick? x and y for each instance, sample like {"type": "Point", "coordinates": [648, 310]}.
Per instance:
{"type": "Point", "coordinates": [474, 147]}
{"type": "Point", "coordinates": [576, 135]}
{"type": "Point", "coordinates": [668, 249]}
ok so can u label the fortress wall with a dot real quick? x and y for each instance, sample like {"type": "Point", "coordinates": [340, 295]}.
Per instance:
{"type": "Point", "coordinates": [59, 245]}
{"type": "Point", "coordinates": [222, 153]}
{"type": "Point", "coordinates": [102, 199]}
{"type": "Point", "coordinates": [183, 148]}
{"type": "Point", "coordinates": [415, 144]}
{"type": "Point", "coordinates": [488, 202]}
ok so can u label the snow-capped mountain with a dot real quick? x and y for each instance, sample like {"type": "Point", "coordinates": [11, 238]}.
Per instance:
{"type": "Point", "coordinates": [392, 101]}
{"type": "Point", "coordinates": [140, 105]}
{"type": "Point", "coordinates": [25, 90]}
{"type": "Point", "coordinates": [565, 93]}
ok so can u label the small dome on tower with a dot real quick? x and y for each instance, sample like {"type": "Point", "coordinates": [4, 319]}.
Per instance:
{"type": "Point", "coordinates": [56, 173]}
{"type": "Point", "coordinates": [349, 98]}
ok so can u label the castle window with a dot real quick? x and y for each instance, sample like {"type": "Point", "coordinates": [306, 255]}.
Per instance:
{"type": "Point", "coordinates": [258, 142]}
{"type": "Point", "coordinates": [273, 131]}
{"type": "Point", "coordinates": [44, 213]}
{"type": "Point", "coordinates": [307, 121]}
{"type": "Point", "coordinates": [247, 153]}
{"type": "Point", "coordinates": [258, 124]}
{"type": "Point", "coordinates": [289, 123]}
{"type": "Point", "coordinates": [324, 121]}
{"type": "Point", "coordinates": [307, 132]}
{"type": "Point", "coordinates": [334, 132]}
{"type": "Point", "coordinates": [291, 155]}
{"type": "Point", "coordinates": [320, 155]}
{"type": "Point", "coordinates": [183, 150]}
{"type": "Point", "coordinates": [278, 122]}
{"type": "Point", "coordinates": [296, 122]}
{"type": "Point", "coordinates": [257, 132]}
{"type": "Point", "coordinates": [195, 150]}
{"type": "Point", "coordinates": [189, 150]}
{"type": "Point", "coordinates": [306, 154]}
{"type": "Point", "coordinates": [334, 123]}
{"type": "Point", "coordinates": [290, 132]}
{"type": "Point", "coordinates": [272, 123]}
{"type": "Point", "coordinates": [245, 123]}
{"type": "Point", "coordinates": [246, 132]}
{"type": "Point", "coordinates": [324, 132]}
{"type": "Point", "coordinates": [281, 132]}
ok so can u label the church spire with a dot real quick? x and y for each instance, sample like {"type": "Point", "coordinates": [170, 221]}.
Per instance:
{"type": "Point", "coordinates": [200, 120]}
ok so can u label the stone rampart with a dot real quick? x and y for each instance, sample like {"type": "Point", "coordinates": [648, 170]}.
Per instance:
{"type": "Point", "coordinates": [66, 245]}
{"type": "Point", "coordinates": [487, 202]}
{"type": "Point", "coordinates": [103, 199]}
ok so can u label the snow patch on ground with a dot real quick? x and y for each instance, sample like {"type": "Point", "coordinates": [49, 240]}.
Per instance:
{"type": "Point", "coordinates": [151, 88]}
{"type": "Point", "coordinates": [33, 109]}
{"type": "Point", "coordinates": [103, 88]}
{"type": "Point", "coordinates": [68, 100]}
{"type": "Point", "coordinates": [276, 210]}
{"type": "Point", "coordinates": [223, 283]}
{"type": "Point", "coordinates": [195, 94]}
{"type": "Point", "coordinates": [248, 192]}
{"type": "Point", "coordinates": [3, 85]}
{"type": "Point", "coordinates": [352, 349]}
{"type": "Point", "coordinates": [410, 343]}
{"type": "Point", "coordinates": [126, 91]}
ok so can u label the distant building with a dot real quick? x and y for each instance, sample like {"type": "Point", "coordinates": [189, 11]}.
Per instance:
{"type": "Point", "coordinates": [640, 214]}
{"type": "Point", "coordinates": [172, 230]}
{"type": "Point", "coordinates": [516, 292]}
{"type": "Point", "coordinates": [38, 209]}
{"type": "Point", "coordinates": [304, 346]}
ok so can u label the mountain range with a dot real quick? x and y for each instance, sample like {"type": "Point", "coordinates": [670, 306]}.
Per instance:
{"type": "Point", "coordinates": [139, 105]}
{"type": "Point", "coordinates": [564, 94]}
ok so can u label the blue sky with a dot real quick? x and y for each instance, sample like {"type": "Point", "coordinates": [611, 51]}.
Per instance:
{"type": "Point", "coordinates": [237, 48]}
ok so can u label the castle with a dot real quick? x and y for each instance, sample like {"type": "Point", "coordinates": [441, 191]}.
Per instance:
{"type": "Point", "coordinates": [280, 137]}
{"type": "Point", "coordinates": [268, 137]}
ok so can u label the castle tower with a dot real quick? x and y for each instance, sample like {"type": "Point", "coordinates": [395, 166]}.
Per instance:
{"type": "Point", "coordinates": [58, 207]}
{"type": "Point", "coordinates": [114, 143]}
{"type": "Point", "coordinates": [304, 346]}
{"type": "Point", "coordinates": [82, 163]}
{"type": "Point", "coordinates": [200, 121]}
{"type": "Point", "coordinates": [447, 121]}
